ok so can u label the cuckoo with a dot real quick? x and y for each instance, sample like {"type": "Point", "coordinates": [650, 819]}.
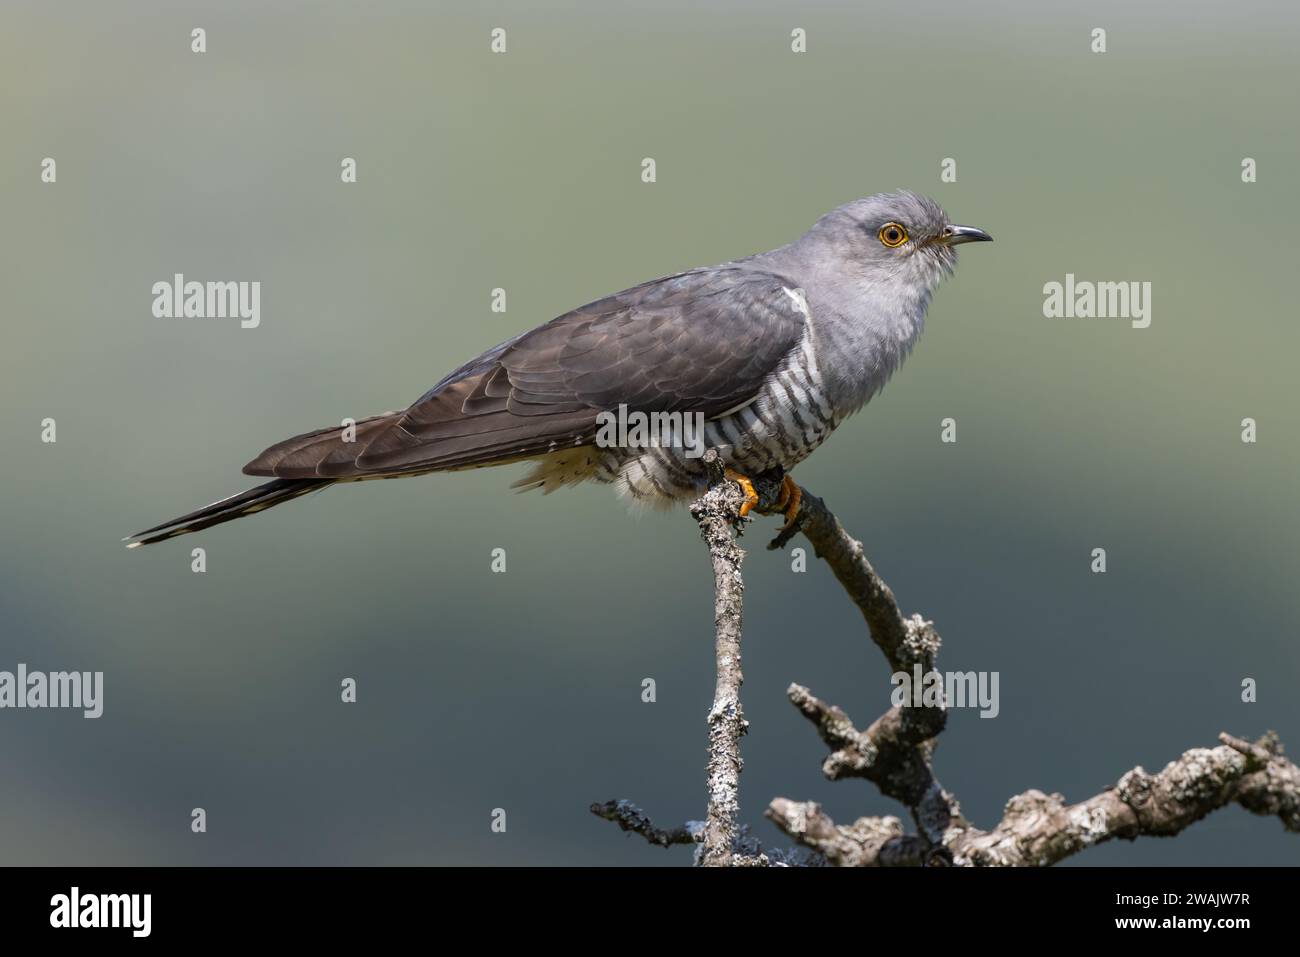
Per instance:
{"type": "Point", "coordinates": [769, 354]}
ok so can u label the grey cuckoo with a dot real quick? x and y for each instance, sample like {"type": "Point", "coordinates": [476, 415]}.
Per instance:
{"type": "Point", "coordinates": [768, 353]}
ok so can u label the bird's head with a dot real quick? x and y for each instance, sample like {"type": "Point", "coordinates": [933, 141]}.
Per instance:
{"type": "Point", "coordinates": [900, 237]}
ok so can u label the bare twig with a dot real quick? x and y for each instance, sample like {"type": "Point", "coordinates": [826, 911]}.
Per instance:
{"type": "Point", "coordinates": [905, 641]}
{"type": "Point", "coordinates": [629, 817]}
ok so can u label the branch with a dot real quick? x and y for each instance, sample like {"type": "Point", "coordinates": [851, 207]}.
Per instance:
{"type": "Point", "coordinates": [896, 753]}
{"type": "Point", "coordinates": [629, 817]}
{"type": "Point", "coordinates": [717, 512]}
{"type": "Point", "coordinates": [867, 842]}
{"type": "Point", "coordinates": [905, 641]}
{"type": "Point", "coordinates": [1038, 830]}
{"type": "Point", "coordinates": [748, 852]}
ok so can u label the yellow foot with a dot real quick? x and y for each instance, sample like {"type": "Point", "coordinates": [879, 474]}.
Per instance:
{"type": "Point", "coordinates": [746, 486]}
{"type": "Point", "coordinates": [788, 503]}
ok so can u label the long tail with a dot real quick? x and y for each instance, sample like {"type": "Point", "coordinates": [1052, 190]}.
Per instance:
{"type": "Point", "coordinates": [228, 509]}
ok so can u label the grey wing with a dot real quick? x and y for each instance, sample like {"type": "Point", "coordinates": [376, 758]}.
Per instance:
{"type": "Point", "coordinates": [702, 341]}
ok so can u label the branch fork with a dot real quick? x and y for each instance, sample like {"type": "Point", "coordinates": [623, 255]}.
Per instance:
{"type": "Point", "coordinates": [896, 751]}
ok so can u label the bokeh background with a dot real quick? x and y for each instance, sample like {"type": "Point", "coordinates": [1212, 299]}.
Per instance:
{"type": "Point", "coordinates": [522, 690]}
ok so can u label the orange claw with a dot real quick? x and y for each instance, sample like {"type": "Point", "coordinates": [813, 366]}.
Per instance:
{"type": "Point", "coordinates": [787, 503]}
{"type": "Point", "coordinates": [791, 497]}
{"type": "Point", "coordinates": [746, 486]}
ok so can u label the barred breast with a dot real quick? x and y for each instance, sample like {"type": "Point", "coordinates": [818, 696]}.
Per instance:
{"type": "Point", "coordinates": [782, 425]}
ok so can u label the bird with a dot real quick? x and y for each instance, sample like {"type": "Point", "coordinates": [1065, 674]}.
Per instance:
{"type": "Point", "coordinates": [769, 354]}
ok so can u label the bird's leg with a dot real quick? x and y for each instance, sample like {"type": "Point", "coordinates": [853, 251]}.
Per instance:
{"type": "Point", "coordinates": [788, 503]}
{"type": "Point", "coordinates": [780, 494]}
{"type": "Point", "coordinates": [788, 497]}
{"type": "Point", "coordinates": [746, 486]}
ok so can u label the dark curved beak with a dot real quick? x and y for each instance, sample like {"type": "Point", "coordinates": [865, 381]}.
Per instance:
{"type": "Point", "coordinates": [956, 235]}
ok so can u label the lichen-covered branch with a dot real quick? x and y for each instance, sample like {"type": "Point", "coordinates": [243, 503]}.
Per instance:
{"type": "Point", "coordinates": [747, 851]}
{"type": "Point", "coordinates": [896, 752]}
{"type": "Point", "coordinates": [904, 640]}
{"type": "Point", "coordinates": [867, 842]}
{"type": "Point", "coordinates": [717, 512]}
{"type": "Point", "coordinates": [1038, 830]}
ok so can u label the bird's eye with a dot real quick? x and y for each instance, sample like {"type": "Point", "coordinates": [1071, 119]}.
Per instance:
{"type": "Point", "coordinates": [893, 235]}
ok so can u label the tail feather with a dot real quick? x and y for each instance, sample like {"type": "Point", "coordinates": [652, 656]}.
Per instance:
{"type": "Point", "coordinates": [228, 509]}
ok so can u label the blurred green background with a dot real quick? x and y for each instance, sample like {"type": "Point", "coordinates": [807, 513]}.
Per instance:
{"type": "Point", "coordinates": [522, 691]}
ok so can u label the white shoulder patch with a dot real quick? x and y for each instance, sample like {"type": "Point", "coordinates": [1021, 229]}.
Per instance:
{"type": "Point", "coordinates": [799, 299]}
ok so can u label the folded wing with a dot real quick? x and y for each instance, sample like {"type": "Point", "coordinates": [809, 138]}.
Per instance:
{"type": "Point", "coordinates": [702, 341]}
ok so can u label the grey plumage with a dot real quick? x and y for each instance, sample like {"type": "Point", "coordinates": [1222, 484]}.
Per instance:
{"type": "Point", "coordinates": [774, 351]}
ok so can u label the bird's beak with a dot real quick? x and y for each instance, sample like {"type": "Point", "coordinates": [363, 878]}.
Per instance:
{"type": "Point", "coordinates": [956, 235]}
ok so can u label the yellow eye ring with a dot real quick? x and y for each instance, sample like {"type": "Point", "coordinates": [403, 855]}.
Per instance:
{"type": "Point", "coordinates": [893, 235]}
